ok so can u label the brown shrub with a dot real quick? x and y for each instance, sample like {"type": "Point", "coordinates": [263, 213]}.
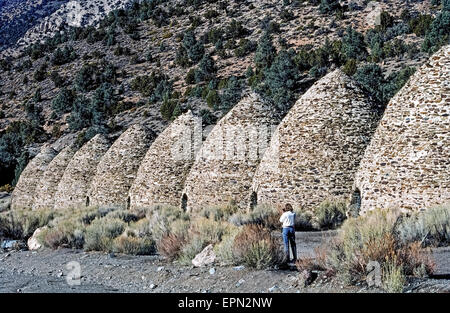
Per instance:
{"type": "Point", "coordinates": [255, 247]}
{"type": "Point", "coordinates": [170, 246]}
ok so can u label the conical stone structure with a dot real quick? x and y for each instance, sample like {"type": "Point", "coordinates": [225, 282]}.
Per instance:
{"type": "Point", "coordinates": [316, 150]}
{"type": "Point", "coordinates": [48, 184]}
{"type": "Point", "coordinates": [225, 165]}
{"type": "Point", "coordinates": [407, 164]}
{"type": "Point", "coordinates": [117, 169]}
{"type": "Point", "coordinates": [25, 190]}
{"type": "Point", "coordinates": [162, 173]}
{"type": "Point", "coordinates": [72, 191]}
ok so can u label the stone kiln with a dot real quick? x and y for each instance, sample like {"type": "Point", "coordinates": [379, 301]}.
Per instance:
{"type": "Point", "coordinates": [117, 169]}
{"type": "Point", "coordinates": [407, 164]}
{"type": "Point", "coordinates": [48, 183]}
{"type": "Point", "coordinates": [161, 175]}
{"type": "Point", "coordinates": [224, 167]}
{"type": "Point", "coordinates": [76, 180]}
{"type": "Point", "coordinates": [24, 192]}
{"type": "Point", "coordinates": [317, 147]}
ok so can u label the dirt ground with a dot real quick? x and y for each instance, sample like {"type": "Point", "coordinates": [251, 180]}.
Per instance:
{"type": "Point", "coordinates": [48, 271]}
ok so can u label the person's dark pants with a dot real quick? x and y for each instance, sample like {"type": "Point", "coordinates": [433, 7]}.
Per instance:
{"type": "Point", "coordinates": [289, 239]}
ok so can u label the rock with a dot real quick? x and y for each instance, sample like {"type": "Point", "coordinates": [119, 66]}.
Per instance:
{"type": "Point", "coordinates": [33, 243]}
{"type": "Point", "coordinates": [212, 271]}
{"type": "Point", "coordinates": [240, 282]}
{"type": "Point", "coordinates": [153, 286]}
{"type": "Point", "coordinates": [160, 268]}
{"type": "Point", "coordinates": [239, 268]}
{"type": "Point", "coordinates": [207, 256]}
{"type": "Point", "coordinates": [274, 288]}
{"type": "Point", "coordinates": [13, 245]}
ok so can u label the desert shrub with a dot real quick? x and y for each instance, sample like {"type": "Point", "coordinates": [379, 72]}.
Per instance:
{"type": "Point", "coordinates": [170, 246]}
{"type": "Point", "coordinates": [372, 237]}
{"type": "Point", "coordinates": [124, 215]}
{"type": "Point", "coordinates": [393, 277]}
{"type": "Point", "coordinates": [100, 234]}
{"type": "Point", "coordinates": [224, 250]}
{"type": "Point", "coordinates": [255, 247]}
{"type": "Point", "coordinates": [430, 228]}
{"type": "Point", "coordinates": [219, 213]}
{"type": "Point", "coordinates": [134, 245]}
{"type": "Point", "coordinates": [264, 215]}
{"type": "Point", "coordinates": [21, 223]}
{"type": "Point", "coordinates": [330, 214]}
{"type": "Point", "coordinates": [67, 233]}
{"type": "Point", "coordinates": [162, 219]}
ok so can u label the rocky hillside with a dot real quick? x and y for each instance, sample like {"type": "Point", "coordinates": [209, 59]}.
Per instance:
{"type": "Point", "coordinates": [106, 68]}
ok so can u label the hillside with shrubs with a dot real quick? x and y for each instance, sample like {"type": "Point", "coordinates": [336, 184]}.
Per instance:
{"type": "Point", "coordinates": [156, 59]}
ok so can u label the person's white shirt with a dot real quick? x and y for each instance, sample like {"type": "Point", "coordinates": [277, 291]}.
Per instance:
{"type": "Point", "coordinates": [288, 219]}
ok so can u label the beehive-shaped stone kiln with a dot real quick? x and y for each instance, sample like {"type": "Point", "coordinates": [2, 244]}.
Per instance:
{"type": "Point", "coordinates": [317, 147]}
{"type": "Point", "coordinates": [162, 173]}
{"type": "Point", "coordinates": [73, 188]}
{"type": "Point", "coordinates": [407, 164]}
{"type": "Point", "coordinates": [225, 165]}
{"type": "Point", "coordinates": [48, 184]}
{"type": "Point", "coordinates": [25, 190]}
{"type": "Point", "coordinates": [117, 169]}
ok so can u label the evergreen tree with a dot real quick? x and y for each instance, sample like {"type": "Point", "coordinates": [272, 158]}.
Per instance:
{"type": "Point", "coordinates": [265, 52]}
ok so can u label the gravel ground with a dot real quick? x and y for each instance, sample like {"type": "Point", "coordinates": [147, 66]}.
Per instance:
{"type": "Point", "coordinates": [47, 271]}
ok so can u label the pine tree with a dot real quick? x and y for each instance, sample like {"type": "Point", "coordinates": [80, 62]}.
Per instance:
{"type": "Point", "coordinates": [265, 52]}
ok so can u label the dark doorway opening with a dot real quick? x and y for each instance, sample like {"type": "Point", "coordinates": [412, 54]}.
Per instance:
{"type": "Point", "coordinates": [128, 203]}
{"type": "Point", "coordinates": [355, 203]}
{"type": "Point", "coordinates": [184, 200]}
{"type": "Point", "coordinates": [87, 201]}
{"type": "Point", "coordinates": [253, 200]}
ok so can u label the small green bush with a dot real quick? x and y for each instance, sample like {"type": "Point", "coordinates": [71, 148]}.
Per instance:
{"type": "Point", "coordinates": [330, 214]}
{"type": "Point", "coordinates": [101, 233]}
{"type": "Point", "coordinates": [394, 279]}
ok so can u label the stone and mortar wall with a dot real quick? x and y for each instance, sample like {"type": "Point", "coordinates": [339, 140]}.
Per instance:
{"type": "Point", "coordinates": [407, 164]}
{"type": "Point", "coordinates": [24, 192]}
{"type": "Point", "coordinates": [224, 167]}
{"type": "Point", "coordinates": [48, 183]}
{"type": "Point", "coordinates": [317, 147]}
{"type": "Point", "coordinates": [75, 182]}
{"type": "Point", "coordinates": [162, 173]}
{"type": "Point", "coordinates": [117, 169]}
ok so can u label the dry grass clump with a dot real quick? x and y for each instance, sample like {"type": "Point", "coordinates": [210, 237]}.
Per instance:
{"type": "Point", "coordinates": [269, 217]}
{"type": "Point", "coordinates": [21, 223]}
{"type": "Point", "coordinates": [100, 234]}
{"type": "Point", "coordinates": [102, 229]}
{"type": "Point", "coordinates": [255, 247]}
{"type": "Point", "coordinates": [373, 237]}
{"type": "Point", "coordinates": [431, 227]}
{"type": "Point", "coordinates": [134, 245]}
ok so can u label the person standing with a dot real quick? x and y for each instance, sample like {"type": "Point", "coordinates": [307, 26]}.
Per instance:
{"type": "Point", "coordinates": [288, 221]}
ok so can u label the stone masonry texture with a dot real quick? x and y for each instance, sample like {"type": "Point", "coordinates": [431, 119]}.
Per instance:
{"type": "Point", "coordinates": [407, 164]}
{"type": "Point", "coordinates": [162, 173]}
{"type": "Point", "coordinates": [76, 180]}
{"type": "Point", "coordinates": [48, 184]}
{"type": "Point", "coordinates": [317, 147]}
{"type": "Point", "coordinates": [224, 167]}
{"type": "Point", "coordinates": [24, 193]}
{"type": "Point", "coordinates": [117, 169]}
